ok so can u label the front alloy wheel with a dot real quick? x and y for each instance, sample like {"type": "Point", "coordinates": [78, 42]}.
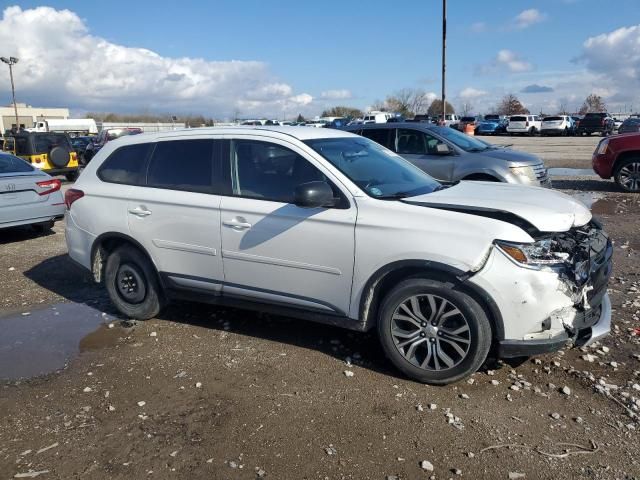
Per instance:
{"type": "Point", "coordinates": [628, 175]}
{"type": "Point", "coordinates": [430, 332]}
{"type": "Point", "coordinates": [433, 331]}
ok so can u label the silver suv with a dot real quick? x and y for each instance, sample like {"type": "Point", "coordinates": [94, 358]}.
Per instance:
{"type": "Point", "coordinates": [449, 155]}
{"type": "Point", "coordinates": [328, 226]}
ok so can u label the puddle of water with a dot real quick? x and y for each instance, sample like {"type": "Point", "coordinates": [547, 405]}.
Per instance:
{"type": "Point", "coordinates": [572, 172]}
{"type": "Point", "coordinates": [45, 340]}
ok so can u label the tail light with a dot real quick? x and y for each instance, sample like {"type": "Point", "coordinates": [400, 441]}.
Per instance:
{"type": "Point", "coordinates": [526, 123]}
{"type": "Point", "coordinates": [49, 186]}
{"type": "Point", "coordinates": [74, 156]}
{"type": "Point", "coordinates": [71, 196]}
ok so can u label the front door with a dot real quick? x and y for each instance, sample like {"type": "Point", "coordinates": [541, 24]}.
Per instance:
{"type": "Point", "coordinates": [421, 149]}
{"type": "Point", "coordinates": [176, 214]}
{"type": "Point", "coordinates": [274, 251]}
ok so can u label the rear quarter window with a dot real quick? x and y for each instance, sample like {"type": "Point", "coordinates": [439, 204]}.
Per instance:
{"type": "Point", "coordinates": [125, 165]}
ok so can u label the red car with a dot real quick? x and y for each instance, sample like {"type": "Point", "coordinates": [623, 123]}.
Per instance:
{"type": "Point", "coordinates": [619, 157]}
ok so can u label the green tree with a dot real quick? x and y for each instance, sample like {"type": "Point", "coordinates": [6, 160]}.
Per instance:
{"type": "Point", "coordinates": [300, 118]}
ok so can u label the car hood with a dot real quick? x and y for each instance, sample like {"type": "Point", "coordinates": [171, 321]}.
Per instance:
{"type": "Point", "coordinates": [511, 156]}
{"type": "Point", "coordinates": [544, 209]}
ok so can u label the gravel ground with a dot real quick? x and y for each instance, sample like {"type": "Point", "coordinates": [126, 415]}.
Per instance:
{"type": "Point", "coordinates": [564, 152]}
{"type": "Point", "coordinates": [206, 392]}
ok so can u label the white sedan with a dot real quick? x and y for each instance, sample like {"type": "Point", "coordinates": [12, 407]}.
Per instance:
{"type": "Point", "coordinates": [28, 196]}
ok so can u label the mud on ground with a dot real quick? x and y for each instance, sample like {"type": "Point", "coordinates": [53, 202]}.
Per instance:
{"type": "Point", "coordinates": [206, 392]}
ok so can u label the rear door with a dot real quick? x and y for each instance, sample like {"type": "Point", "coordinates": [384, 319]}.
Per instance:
{"type": "Point", "coordinates": [420, 148]}
{"type": "Point", "coordinates": [175, 215]}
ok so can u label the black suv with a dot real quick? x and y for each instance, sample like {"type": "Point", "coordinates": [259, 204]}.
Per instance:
{"type": "Point", "coordinates": [601, 123]}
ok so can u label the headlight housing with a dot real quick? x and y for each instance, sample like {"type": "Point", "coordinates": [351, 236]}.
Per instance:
{"type": "Point", "coordinates": [602, 148]}
{"type": "Point", "coordinates": [525, 171]}
{"type": "Point", "coordinates": [533, 254]}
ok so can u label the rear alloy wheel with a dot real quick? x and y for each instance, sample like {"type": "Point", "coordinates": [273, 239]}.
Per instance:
{"type": "Point", "coordinates": [433, 333]}
{"type": "Point", "coordinates": [132, 284]}
{"type": "Point", "coordinates": [627, 175]}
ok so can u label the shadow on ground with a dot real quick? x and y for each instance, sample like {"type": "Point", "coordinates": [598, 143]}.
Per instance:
{"type": "Point", "coordinates": [22, 234]}
{"type": "Point", "coordinates": [582, 185]}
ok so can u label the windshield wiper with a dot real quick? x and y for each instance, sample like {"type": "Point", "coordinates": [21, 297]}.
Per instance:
{"type": "Point", "coordinates": [477, 149]}
{"type": "Point", "coordinates": [394, 196]}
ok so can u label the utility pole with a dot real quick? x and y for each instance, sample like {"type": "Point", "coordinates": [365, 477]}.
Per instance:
{"type": "Point", "coordinates": [444, 59]}
{"type": "Point", "coordinates": [11, 61]}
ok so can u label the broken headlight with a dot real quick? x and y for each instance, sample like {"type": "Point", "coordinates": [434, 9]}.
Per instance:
{"type": "Point", "coordinates": [534, 254]}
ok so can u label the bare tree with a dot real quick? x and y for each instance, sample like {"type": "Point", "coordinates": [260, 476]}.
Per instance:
{"type": "Point", "coordinates": [593, 104]}
{"type": "Point", "coordinates": [467, 108]}
{"type": "Point", "coordinates": [562, 109]}
{"type": "Point", "coordinates": [407, 101]}
{"type": "Point", "coordinates": [435, 108]}
{"type": "Point", "coordinates": [510, 105]}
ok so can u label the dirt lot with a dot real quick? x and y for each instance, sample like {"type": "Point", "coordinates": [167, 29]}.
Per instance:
{"type": "Point", "coordinates": [205, 392]}
{"type": "Point", "coordinates": [564, 152]}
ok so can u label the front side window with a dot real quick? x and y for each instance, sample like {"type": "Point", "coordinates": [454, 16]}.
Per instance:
{"type": "Point", "coordinates": [182, 165]}
{"type": "Point", "coordinates": [377, 171]}
{"type": "Point", "coordinates": [415, 142]}
{"type": "Point", "coordinates": [11, 164]}
{"type": "Point", "coordinates": [269, 171]}
{"type": "Point", "coordinates": [125, 165]}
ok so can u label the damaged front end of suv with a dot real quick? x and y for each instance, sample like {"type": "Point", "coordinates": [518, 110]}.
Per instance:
{"type": "Point", "coordinates": [562, 283]}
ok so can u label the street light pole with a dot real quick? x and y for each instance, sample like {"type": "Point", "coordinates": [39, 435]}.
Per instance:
{"type": "Point", "coordinates": [444, 57]}
{"type": "Point", "coordinates": [11, 61]}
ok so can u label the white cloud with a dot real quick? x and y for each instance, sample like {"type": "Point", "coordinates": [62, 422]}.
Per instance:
{"type": "Point", "coordinates": [336, 94]}
{"type": "Point", "coordinates": [478, 27]}
{"type": "Point", "coordinates": [470, 92]}
{"type": "Point", "coordinates": [505, 60]}
{"type": "Point", "coordinates": [62, 63]}
{"type": "Point", "coordinates": [529, 17]}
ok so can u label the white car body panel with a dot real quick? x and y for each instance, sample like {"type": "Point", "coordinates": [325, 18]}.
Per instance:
{"type": "Point", "coordinates": [532, 121]}
{"type": "Point", "coordinates": [547, 210]}
{"type": "Point", "coordinates": [323, 258]}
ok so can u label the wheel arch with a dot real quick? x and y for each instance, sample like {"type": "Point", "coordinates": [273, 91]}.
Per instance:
{"type": "Point", "coordinates": [622, 156]}
{"type": "Point", "coordinates": [482, 176]}
{"type": "Point", "coordinates": [383, 280]}
{"type": "Point", "coordinates": [107, 243]}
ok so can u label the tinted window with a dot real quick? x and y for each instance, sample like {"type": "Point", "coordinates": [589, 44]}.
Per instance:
{"type": "Point", "coordinates": [492, 117]}
{"type": "Point", "coordinates": [383, 136]}
{"type": "Point", "coordinates": [468, 119]}
{"type": "Point", "coordinates": [415, 142]}
{"type": "Point", "coordinates": [182, 165]}
{"type": "Point", "coordinates": [632, 121]}
{"type": "Point", "coordinates": [22, 146]}
{"type": "Point", "coordinates": [269, 171]}
{"type": "Point", "coordinates": [552, 119]}
{"type": "Point", "coordinates": [11, 164]}
{"type": "Point", "coordinates": [518, 119]}
{"type": "Point", "coordinates": [595, 115]}
{"type": "Point", "coordinates": [44, 143]}
{"type": "Point", "coordinates": [125, 165]}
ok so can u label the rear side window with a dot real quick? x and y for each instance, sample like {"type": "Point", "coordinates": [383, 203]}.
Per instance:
{"type": "Point", "coordinates": [380, 135]}
{"type": "Point", "coordinates": [182, 165]}
{"type": "Point", "coordinates": [518, 119]}
{"type": "Point", "coordinates": [44, 143]}
{"type": "Point", "coordinates": [11, 164]}
{"type": "Point", "coordinates": [125, 165]}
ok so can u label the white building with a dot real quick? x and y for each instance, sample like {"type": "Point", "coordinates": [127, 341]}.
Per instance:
{"type": "Point", "coordinates": [28, 115]}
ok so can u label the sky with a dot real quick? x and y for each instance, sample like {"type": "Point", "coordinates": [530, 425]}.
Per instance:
{"type": "Point", "coordinates": [278, 58]}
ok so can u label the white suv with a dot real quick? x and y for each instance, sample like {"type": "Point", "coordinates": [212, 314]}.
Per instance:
{"type": "Point", "coordinates": [527, 124]}
{"type": "Point", "coordinates": [325, 225]}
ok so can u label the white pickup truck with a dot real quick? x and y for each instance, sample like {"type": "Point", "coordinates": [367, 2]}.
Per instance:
{"type": "Point", "coordinates": [80, 126]}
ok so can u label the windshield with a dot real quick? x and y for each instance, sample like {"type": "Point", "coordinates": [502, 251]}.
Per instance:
{"type": "Point", "coordinates": [492, 117]}
{"type": "Point", "coordinates": [461, 140]}
{"type": "Point", "coordinates": [376, 170]}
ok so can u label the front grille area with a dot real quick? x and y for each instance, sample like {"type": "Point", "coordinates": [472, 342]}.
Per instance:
{"type": "Point", "coordinates": [540, 171]}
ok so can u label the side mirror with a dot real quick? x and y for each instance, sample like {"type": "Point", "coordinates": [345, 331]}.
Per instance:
{"type": "Point", "coordinates": [443, 149]}
{"type": "Point", "coordinates": [313, 195]}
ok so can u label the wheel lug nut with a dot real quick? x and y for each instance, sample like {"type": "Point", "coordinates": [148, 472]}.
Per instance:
{"type": "Point", "coordinates": [422, 334]}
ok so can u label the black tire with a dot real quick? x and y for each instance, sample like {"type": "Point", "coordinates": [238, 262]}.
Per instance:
{"type": "Point", "coordinates": [479, 330]}
{"type": "Point", "coordinates": [627, 167]}
{"type": "Point", "coordinates": [143, 299]}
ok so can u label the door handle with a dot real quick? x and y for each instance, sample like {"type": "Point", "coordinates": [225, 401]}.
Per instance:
{"type": "Point", "coordinates": [140, 212]}
{"type": "Point", "coordinates": [236, 224]}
